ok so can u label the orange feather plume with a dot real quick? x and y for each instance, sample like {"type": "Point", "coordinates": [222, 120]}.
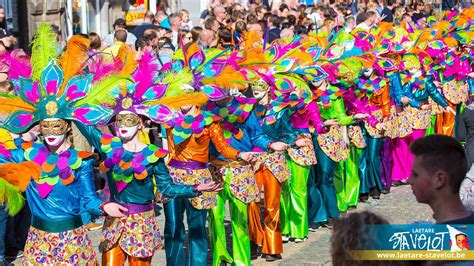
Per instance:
{"type": "Point", "coordinates": [127, 56]}
{"type": "Point", "coordinates": [73, 59]}
{"type": "Point", "coordinates": [229, 78]}
{"type": "Point", "coordinates": [10, 104]}
{"type": "Point", "coordinates": [176, 102]}
{"type": "Point", "coordinates": [19, 175]}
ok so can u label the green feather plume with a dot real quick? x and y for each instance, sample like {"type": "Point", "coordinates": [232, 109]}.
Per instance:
{"type": "Point", "coordinates": [177, 81]}
{"type": "Point", "coordinates": [44, 49]}
{"type": "Point", "coordinates": [104, 91]}
{"type": "Point", "coordinates": [11, 197]}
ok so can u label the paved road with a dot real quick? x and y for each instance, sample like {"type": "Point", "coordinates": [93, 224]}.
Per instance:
{"type": "Point", "coordinates": [398, 207]}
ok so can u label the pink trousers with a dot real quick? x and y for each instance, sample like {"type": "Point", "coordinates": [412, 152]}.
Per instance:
{"type": "Point", "coordinates": [401, 155]}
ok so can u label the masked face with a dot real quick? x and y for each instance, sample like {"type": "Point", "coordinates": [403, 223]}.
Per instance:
{"type": "Point", "coordinates": [126, 124]}
{"type": "Point", "coordinates": [368, 72]}
{"type": "Point", "coordinates": [260, 89]}
{"type": "Point", "coordinates": [235, 93]}
{"type": "Point", "coordinates": [54, 131]}
{"type": "Point", "coordinates": [415, 72]}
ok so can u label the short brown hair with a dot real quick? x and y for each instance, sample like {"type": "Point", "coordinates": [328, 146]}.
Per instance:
{"type": "Point", "coordinates": [439, 152]}
{"type": "Point", "coordinates": [120, 35]}
{"type": "Point", "coordinates": [94, 38]}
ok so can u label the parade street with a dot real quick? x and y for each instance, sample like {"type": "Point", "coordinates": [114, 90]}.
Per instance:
{"type": "Point", "coordinates": [398, 207]}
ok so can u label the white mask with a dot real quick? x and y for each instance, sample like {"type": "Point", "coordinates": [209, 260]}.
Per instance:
{"type": "Point", "coordinates": [259, 94]}
{"type": "Point", "coordinates": [54, 140]}
{"type": "Point", "coordinates": [368, 72]}
{"type": "Point", "coordinates": [127, 132]}
{"type": "Point", "coordinates": [235, 93]}
{"type": "Point", "coordinates": [415, 72]}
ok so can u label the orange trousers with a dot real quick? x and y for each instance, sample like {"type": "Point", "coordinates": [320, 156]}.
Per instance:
{"type": "Point", "coordinates": [269, 237]}
{"type": "Point", "coordinates": [445, 122]}
{"type": "Point", "coordinates": [117, 257]}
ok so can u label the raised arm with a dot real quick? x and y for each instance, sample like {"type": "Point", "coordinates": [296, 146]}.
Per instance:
{"type": "Point", "coordinates": [91, 133]}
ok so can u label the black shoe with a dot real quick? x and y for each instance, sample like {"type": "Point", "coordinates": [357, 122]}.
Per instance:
{"type": "Point", "coordinates": [376, 197]}
{"type": "Point", "coordinates": [399, 183]}
{"type": "Point", "coordinates": [385, 191]}
{"type": "Point", "coordinates": [327, 225]}
{"type": "Point", "coordinates": [364, 197]}
{"type": "Point", "coordinates": [314, 227]}
{"type": "Point", "coordinates": [255, 251]}
{"type": "Point", "coordinates": [351, 208]}
{"type": "Point", "coordinates": [269, 257]}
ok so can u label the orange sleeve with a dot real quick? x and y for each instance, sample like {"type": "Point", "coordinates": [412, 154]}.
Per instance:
{"type": "Point", "coordinates": [220, 143]}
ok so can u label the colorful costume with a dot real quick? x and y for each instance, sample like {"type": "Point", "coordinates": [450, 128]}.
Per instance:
{"type": "Point", "coordinates": [62, 182]}
{"type": "Point", "coordinates": [243, 132]}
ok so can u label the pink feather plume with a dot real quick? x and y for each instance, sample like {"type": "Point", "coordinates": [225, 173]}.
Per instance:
{"type": "Point", "coordinates": [145, 73]}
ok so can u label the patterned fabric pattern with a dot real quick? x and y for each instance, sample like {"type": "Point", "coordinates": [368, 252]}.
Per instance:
{"type": "Point", "coordinates": [71, 247]}
{"type": "Point", "coordinates": [275, 162]}
{"type": "Point", "coordinates": [455, 91]}
{"type": "Point", "coordinates": [356, 136]}
{"type": "Point", "coordinates": [194, 177]}
{"type": "Point", "coordinates": [398, 125]}
{"type": "Point", "coordinates": [373, 131]}
{"type": "Point", "coordinates": [419, 119]}
{"type": "Point", "coordinates": [137, 234]}
{"type": "Point", "coordinates": [304, 156]}
{"type": "Point", "coordinates": [333, 144]}
{"type": "Point", "coordinates": [242, 184]}
{"type": "Point", "coordinates": [185, 126]}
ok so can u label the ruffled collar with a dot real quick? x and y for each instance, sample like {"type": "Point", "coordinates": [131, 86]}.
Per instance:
{"type": "Point", "coordinates": [54, 166]}
{"type": "Point", "coordinates": [185, 126]}
{"type": "Point", "coordinates": [127, 165]}
{"type": "Point", "coordinates": [371, 85]}
{"type": "Point", "coordinates": [232, 115]}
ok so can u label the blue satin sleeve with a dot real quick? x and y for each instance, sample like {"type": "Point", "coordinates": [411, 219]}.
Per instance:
{"type": "Point", "coordinates": [166, 185]}
{"type": "Point", "coordinates": [288, 132]}
{"type": "Point", "coordinates": [257, 136]}
{"type": "Point", "coordinates": [89, 199]}
{"type": "Point", "coordinates": [408, 93]}
{"type": "Point", "coordinates": [395, 83]}
{"type": "Point", "coordinates": [470, 81]}
{"type": "Point", "coordinates": [92, 134]}
{"type": "Point", "coordinates": [435, 94]}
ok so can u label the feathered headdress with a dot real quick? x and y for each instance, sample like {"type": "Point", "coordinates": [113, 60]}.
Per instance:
{"type": "Point", "coordinates": [55, 87]}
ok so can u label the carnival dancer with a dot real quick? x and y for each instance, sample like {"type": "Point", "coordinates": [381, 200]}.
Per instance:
{"type": "Point", "coordinates": [294, 199]}
{"type": "Point", "coordinates": [331, 148]}
{"type": "Point", "coordinates": [189, 137]}
{"type": "Point", "coordinates": [243, 132]}
{"type": "Point", "coordinates": [375, 96]}
{"type": "Point", "coordinates": [272, 172]}
{"type": "Point", "coordinates": [131, 166]}
{"type": "Point", "coordinates": [63, 184]}
{"type": "Point", "coordinates": [416, 90]}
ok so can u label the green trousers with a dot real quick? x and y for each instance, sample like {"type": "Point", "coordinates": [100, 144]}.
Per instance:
{"type": "Point", "coordinates": [346, 180]}
{"type": "Point", "coordinates": [294, 202]}
{"type": "Point", "coordinates": [239, 223]}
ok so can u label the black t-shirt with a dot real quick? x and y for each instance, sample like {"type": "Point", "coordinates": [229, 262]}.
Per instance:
{"type": "Point", "coordinates": [467, 220]}
{"type": "Point", "coordinates": [388, 14]}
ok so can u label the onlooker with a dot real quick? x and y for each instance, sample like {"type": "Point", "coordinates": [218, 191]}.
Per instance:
{"type": "Point", "coordinates": [95, 43]}
{"type": "Point", "coordinates": [465, 130]}
{"type": "Point", "coordinates": [438, 170]}
{"type": "Point", "coordinates": [354, 233]}
{"type": "Point", "coordinates": [418, 14]}
{"type": "Point", "coordinates": [273, 28]}
{"type": "Point", "coordinates": [224, 39]}
{"type": "Point", "coordinates": [220, 14]}
{"type": "Point", "coordinates": [147, 24]}
{"type": "Point", "coordinates": [212, 24]}
{"type": "Point", "coordinates": [387, 12]}
{"type": "Point", "coordinates": [175, 22]}
{"type": "Point", "coordinates": [195, 31]}
{"type": "Point", "coordinates": [186, 23]}
{"type": "Point", "coordinates": [207, 39]}
{"type": "Point", "coordinates": [120, 24]}
{"type": "Point", "coordinates": [120, 36]}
